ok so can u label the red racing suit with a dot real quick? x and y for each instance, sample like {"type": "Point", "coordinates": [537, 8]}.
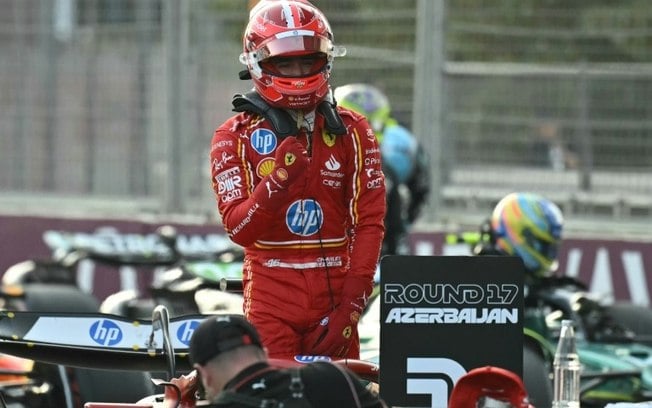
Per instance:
{"type": "Point", "coordinates": [322, 246]}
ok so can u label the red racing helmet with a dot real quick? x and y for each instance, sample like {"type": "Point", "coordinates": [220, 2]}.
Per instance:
{"type": "Point", "coordinates": [489, 387]}
{"type": "Point", "coordinates": [288, 28]}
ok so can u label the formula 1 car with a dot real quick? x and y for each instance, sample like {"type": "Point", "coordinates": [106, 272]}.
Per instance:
{"type": "Point", "coordinates": [25, 382]}
{"type": "Point", "coordinates": [105, 342]}
{"type": "Point", "coordinates": [187, 272]}
{"type": "Point", "coordinates": [616, 358]}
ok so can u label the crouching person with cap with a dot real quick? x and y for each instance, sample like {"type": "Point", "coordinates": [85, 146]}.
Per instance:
{"type": "Point", "coordinates": [227, 353]}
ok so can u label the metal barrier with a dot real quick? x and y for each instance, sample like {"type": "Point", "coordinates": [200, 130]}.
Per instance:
{"type": "Point", "coordinates": [115, 102]}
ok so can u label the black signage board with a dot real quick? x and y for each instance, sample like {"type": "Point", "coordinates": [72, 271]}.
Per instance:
{"type": "Point", "coordinates": [442, 316]}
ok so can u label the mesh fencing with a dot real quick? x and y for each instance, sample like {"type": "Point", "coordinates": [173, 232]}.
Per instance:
{"type": "Point", "coordinates": [109, 105]}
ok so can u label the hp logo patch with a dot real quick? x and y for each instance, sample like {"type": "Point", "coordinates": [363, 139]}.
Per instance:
{"type": "Point", "coordinates": [263, 141]}
{"type": "Point", "coordinates": [185, 331]}
{"type": "Point", "coordinates": [304, 217]}
{"type": "Point", "coordinates": [310, 359]}
{"type": "Point", "coordinates": [105, 333]}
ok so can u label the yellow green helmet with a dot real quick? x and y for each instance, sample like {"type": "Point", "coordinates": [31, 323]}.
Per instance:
{"type": "Point", "coordinates": [366, 100]}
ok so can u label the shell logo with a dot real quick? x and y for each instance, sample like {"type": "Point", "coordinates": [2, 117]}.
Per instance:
{"type": "Point", "coordinates": [265, 167]}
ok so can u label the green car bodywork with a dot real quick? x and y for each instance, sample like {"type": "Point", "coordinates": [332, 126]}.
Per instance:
{"type": "Point", "coordinates": [615, 368]}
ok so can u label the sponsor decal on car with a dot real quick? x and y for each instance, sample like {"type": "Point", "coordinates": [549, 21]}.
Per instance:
{"type": "Point", "coordinates": [185, 331]}
{"type": "Point", "coordinates": [105, 333]}
{"type": "Point", "coordinates": [310, 359]}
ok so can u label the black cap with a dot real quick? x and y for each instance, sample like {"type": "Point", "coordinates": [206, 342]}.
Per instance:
{"type": "Point", "coordinates": [221, 333]}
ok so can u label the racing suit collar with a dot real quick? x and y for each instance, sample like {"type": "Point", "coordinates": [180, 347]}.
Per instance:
{"type": "Point", "coordinates": [303, 120]}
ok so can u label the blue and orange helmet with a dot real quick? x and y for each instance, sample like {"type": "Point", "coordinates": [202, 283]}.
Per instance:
{"type": "Point", "coordinates": [528, 226]}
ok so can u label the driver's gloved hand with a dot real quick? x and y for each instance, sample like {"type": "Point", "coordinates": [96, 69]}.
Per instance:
{"type": "Point", "coordinates": [335, 332]}
{"type": "Point", "coordinates": [290, 164]}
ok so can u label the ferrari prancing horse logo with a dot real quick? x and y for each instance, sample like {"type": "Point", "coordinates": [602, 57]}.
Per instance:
{"type": "Point", "coordinates": [328, 138]}
{"type": "Point", "coordinates": [290, 158]}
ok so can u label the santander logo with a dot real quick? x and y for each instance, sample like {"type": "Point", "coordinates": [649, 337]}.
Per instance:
{"type": "Point", "coordinates": [332, 164]}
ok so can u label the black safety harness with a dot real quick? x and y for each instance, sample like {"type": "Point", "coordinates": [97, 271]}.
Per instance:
{"type": "Point", "coordinates": [281, 120]}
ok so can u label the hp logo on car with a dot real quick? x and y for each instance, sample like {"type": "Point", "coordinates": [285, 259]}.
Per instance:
{"type": "Point", "coordinates": [105, 333]}
{"type": "Point", "coordinates": [310, 359]}
{"type": "Point", "coordinates": [185, 331]}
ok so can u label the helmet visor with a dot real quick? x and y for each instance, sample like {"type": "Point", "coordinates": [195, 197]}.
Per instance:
{"type": "Point", "coordinates": [293, 45]}
{"type": "Point", "coordinates": [294, 66]}
{"type": "Point", "coordinates": [545, 248]}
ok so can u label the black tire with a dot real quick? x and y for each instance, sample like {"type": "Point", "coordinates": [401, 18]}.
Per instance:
{"type": "Point", "coordinates": [83, 384]}
{"type": "Point", "coordinates": [536, 376]}
{"type": "Point", "coordinates": [634, 317]}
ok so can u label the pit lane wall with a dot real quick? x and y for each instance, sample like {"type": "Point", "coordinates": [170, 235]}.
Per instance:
{"type": "Point", "coordinates": [619, 269]}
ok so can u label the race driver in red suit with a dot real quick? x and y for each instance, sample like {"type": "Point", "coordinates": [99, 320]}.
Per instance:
{"type": "Point", "coordinates": [299, 185]}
